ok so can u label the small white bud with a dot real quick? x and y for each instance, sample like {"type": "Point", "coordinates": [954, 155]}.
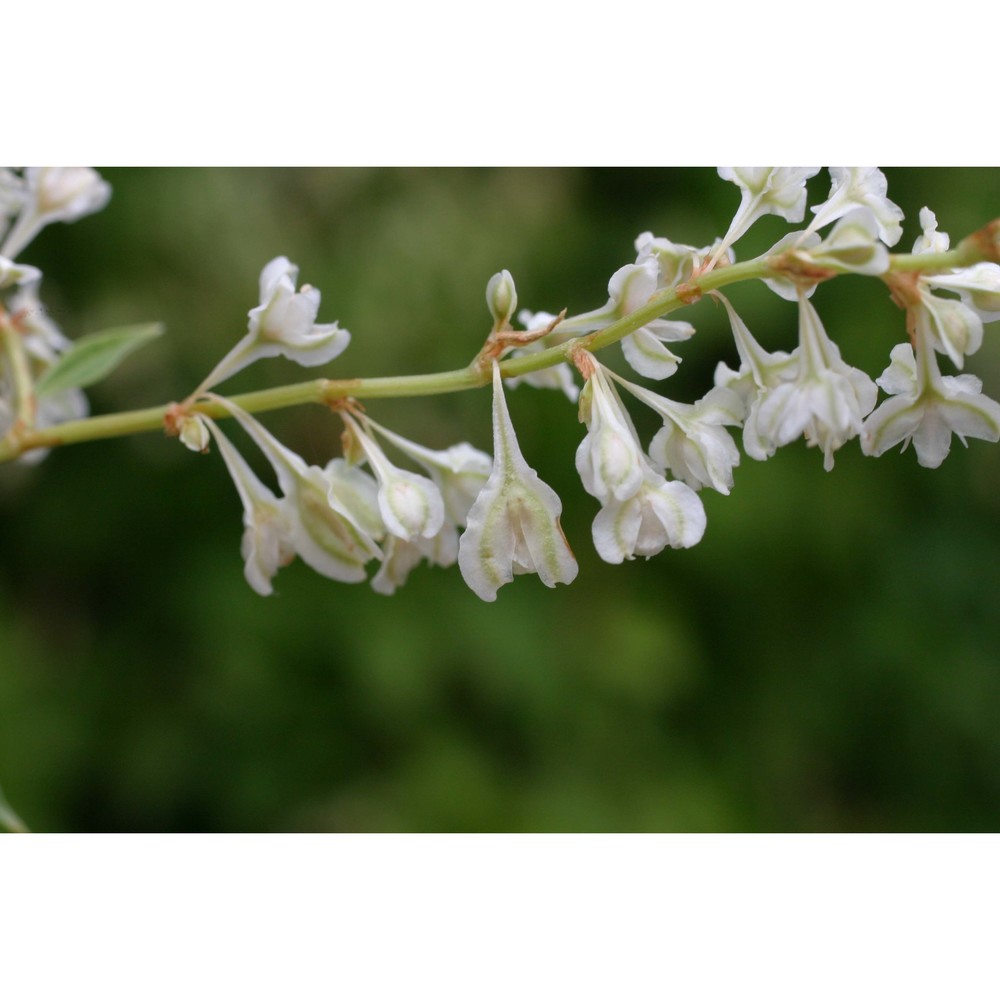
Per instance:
{"type": "Point", "coordinates": [501, 297]}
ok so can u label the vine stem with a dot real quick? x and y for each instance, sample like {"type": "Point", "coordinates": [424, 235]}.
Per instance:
{"type": "Point", "coordinates": [980, 246]}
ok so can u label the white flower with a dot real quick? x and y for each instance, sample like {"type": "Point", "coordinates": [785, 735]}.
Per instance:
{"type": "Point", "coordinates": [54, 194]}
{"type": "Point", "coordinates": [927, 408]}
{"type": "Point", "coordinates": [11, 195]}
{"type": "Point", "coordinates": [513, 527]}
{"type": "Point", "coordinates": [401, 556]}
{"type": "Point", "coordinates": [283, 324]}
{"type": "Point", "coordinates": [863, 187]}
{"type": "Point", "coordinates": [641, 513]}
{"type": "Point", "coordinates": [43, 343]}
{"type": "Point", "coordinates": [930, 240]}
{"type": "Point", "coordinates": [954, 327]}
{"type": "Point", "coordinates": [459, 472]}
{"type": "Point", "coordinates": [17, 274]}
{"type": "Point", "coordinates": [630, 288]}
{"type": "Point", "coordinates": [760, 372]}
{"type": "Point", "coordinates": [267, 543]}
{"type": "Point", "coordinates": [43, 340]}
{"type": "Point", "coordinates": [978, 286]}
{"type": "Point", "coordinates": [764, 191]}
{"type": "Point", "coordinates": [659, 514]}
{"type": "Point", "coordinates": [692, 443]}
{"type": "Point", "coordinates": [676, 262]}
{"type": "Point", "coordinates": [410, 504]}
{"type": "Point", "coordinates": [827, 401]}
{"type": "Point", "coordinates": [609, 458]}
{"type": "Point", "coordinates": [329, 535]}
{"type": "Point", "coordinates": [852, 245]}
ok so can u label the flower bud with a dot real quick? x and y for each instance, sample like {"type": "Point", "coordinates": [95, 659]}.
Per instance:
{"type": "Point", "coordinates": [501, 297]}
{"type": "Point", "coordinates": [193, 432]}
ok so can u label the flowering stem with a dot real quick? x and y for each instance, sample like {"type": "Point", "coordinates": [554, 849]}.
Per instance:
{"type": "Point", "coordinates": [982, 245]}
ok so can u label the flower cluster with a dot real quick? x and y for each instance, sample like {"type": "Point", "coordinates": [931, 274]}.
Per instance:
{"type": "Point", "coordinates": [32, 343]}
{"type": "Point", "coordinates": [498, 519]}
{"type": "Point", "coordinates": [387, 503]}
{"type": "Point", "coordinates": [358, 508]}
{"type": "Point", "coordinates": [927, 407]}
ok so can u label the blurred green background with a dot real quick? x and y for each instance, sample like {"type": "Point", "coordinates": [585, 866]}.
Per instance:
{"type": "Point", "coordinates": [826, 659]}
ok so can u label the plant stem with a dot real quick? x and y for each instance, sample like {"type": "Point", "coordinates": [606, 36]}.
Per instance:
{"type": "Point", "coordinates": [982, 245]}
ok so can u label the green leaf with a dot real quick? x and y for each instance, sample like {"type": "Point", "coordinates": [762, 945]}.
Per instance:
{"type": "Point", "coordinates": [93, 357]}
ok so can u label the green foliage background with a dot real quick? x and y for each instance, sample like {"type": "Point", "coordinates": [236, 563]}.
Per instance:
{"type": "Point", "coordinates": [826, 659]}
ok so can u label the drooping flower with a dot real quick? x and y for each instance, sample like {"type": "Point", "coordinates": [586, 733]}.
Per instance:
{"type": "Point", "coordinates": [659, 514]}
{"type": "Point", "coordinates": [410, 504]}
{"type": "Point", "coordinates": [54, 194]}
{"type": "Point", "coordinates": [459, 472]}
{"type": "Point", "coordinates": [609, 459]}
{"type": "Point", "coordinates": [693, 444]}
{"type": "Point", "coordinates": [759, 373]}
{"type": "Point", "coordinates": [641, 512]}
{"type": "Point", "coordinates": [268, 535]}
{"type": "Point", "coordinates": [513, 526]}
{"type": "Point", "coordinates": [955, 327]}
{"type": "Point", "coordinates": [827, 401]}
{"type": "Point", "coordinates": [926, 407]}
{"type": "Point", "coordinates": [283, 324]}
{"type": "Point", "coordinates": [328, 530]}
{"type": "Point", "coordinates": [403, 555]}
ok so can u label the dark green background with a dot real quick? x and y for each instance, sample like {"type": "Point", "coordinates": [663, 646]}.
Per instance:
{"type": "Point", "coordinates": [826, 659]}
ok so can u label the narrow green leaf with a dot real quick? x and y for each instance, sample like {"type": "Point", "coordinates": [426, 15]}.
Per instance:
{"type": "Point", "coordinates": [93, 357]}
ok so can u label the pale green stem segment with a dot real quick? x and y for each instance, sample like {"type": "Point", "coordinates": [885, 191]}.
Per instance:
{"type": "Point", "coordinates": [15, 363]}
{"type": "Point", "coordinates": [9, 819]}
{"type": "Point", "coordinates": [982, 245]}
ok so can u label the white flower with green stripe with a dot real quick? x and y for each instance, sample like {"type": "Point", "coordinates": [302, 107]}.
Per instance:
{"type": "Point", "coordinates": [513, 527]}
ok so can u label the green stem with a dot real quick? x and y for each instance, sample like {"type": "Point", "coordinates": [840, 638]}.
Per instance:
{"type": "Point", "coordinates": [979, 246]}
{"type": "Point", "coordinates": [15, 363]}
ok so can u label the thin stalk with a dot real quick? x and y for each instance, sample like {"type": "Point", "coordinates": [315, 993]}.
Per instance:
{"type": "Point", "coordinates": [983, 245]}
